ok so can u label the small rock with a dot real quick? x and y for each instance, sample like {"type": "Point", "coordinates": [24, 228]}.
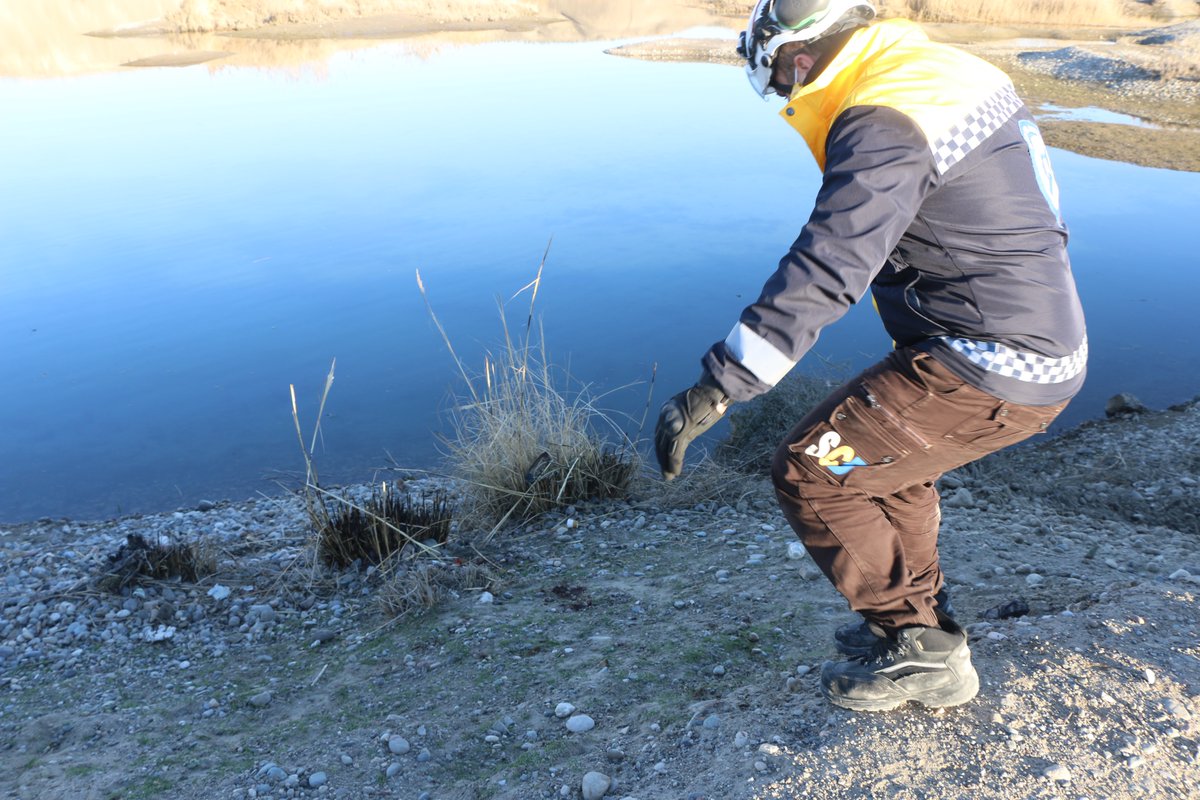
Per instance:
{"type": "Point", "coordinates": [580, 723]}
{"type": "Point", "coordinates": [741, 739]}
{"type": "Point", "coordinates": [1057, 772]}
{"type": "Point", "coordinates": [796, 551]}
{"type": "Point", "coordinates": [1176, 709]}
{"type": "Point", "coordinates": [564, 710]}
{"type": "Point", "coordinates": [398, 745]}
{"type": "Point", "coordinates": [1180, 575]}
{"type": "Point", "coordinates": [273, 773]}
{"type": "Point", "coordinates": [205, 505]}
{"type": "Point", "coordinates": [718, 670]}
{"type": "Point", "coordinates": [1013, 608]}
{"type": "Point", "coordinates": [595, 785]}
{"type": "Point", "coordinates": [219, 592]}
{"type": "Point", "coordinates": [1149, 675]}
{"type": "Point", "coordinates": [486, 598]}
{"type": "Point", "coordinates": [260, 700]}
{"type": "Point", "coordinates": [160, 634]}
{"type": "Point", "coordinates": [317, 779]}
{"type": "Point", "coordinates": [961, 498]}
{"type": "Point", "coordinates": [712, 722]}
{"type": "Point", "coordinates": [393, 769]}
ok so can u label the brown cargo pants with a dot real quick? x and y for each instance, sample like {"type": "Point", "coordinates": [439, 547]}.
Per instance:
{"type": "Point", "coordinates": [856, 478]}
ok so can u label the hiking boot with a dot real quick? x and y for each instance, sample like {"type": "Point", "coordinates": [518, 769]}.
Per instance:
{"type": "Point", "coordinates": [857, 639]}
{"type": "Point", "coordinates": [930, 666]}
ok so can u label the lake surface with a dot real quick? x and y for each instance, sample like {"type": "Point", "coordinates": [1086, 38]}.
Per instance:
{"type": "Point", "coordinates": [178, 246]}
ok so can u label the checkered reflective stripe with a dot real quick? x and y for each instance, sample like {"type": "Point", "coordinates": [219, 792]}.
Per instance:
{"type": "Point", "coordinates": [1027, 367]}
{"type": "Point", "coordinates": [965, 136]}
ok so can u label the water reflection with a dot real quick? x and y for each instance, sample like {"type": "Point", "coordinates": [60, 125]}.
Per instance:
{"type": "Point", "coordinates": [54, 38]}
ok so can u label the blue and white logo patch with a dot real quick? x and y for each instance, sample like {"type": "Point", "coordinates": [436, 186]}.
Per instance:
{"type": "Point", "coordinates": [1041, 165]}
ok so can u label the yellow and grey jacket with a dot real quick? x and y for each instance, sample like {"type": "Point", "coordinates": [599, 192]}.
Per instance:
{"type": "Point", "coordinates": [938, 196]}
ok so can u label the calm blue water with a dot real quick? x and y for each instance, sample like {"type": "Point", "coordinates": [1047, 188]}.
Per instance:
{"type": "Point", "coordinates": [177, 246]}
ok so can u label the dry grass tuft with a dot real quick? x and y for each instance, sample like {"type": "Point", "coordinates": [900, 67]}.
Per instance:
{"type": "Point", "coordinates": [523, 449]}
{"type": "Point", "coordinates": [1015, 12]}
{"type": "Point", "coordinates": [420, 585]}
{"type": "Point", "coordinates": [521, 445]}
{"type": "Point", "coordinates": [380, 528]}
{"type": "Point", "coordinates": [708, 481]}
{"type": "Point", "coordinates": [140, 559]}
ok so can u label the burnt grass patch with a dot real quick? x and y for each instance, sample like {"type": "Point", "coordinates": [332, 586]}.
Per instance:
{"type": "Point", "coordinates": [382, 527]}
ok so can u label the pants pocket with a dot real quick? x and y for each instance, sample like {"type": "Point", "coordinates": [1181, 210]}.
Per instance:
{"type": "Point", "coordinates": [1005, 424]}
{"type": "Point", "coordinates": [857, 436]}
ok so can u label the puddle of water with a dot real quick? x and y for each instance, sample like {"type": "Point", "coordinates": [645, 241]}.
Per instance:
{"type": "Point", "coordinates": [1092, 114]}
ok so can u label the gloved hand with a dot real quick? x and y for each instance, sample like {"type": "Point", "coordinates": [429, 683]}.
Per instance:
{"type": "Point", "coordinates": [684, 417]}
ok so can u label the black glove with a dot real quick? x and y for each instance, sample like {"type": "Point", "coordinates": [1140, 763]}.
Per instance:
{"type": "Point", "coordinates": [684, 417]}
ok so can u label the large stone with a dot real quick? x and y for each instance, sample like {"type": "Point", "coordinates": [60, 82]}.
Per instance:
{"type": "Point", "coordinates": [580, 723]}
{"type": "Point", "coordinates": [1123, 403]}
{"type": "Point", "coordinates": [595, 785]}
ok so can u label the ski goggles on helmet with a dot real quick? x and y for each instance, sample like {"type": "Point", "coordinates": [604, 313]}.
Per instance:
{"type": "Point", "coordinates": [774, 23]}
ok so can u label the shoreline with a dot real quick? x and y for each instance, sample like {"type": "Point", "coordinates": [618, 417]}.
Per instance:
{"type": "Point", "coordinates": [437, 476]}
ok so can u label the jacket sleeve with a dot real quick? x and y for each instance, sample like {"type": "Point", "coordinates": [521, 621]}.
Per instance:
{"type": "Point", "coordinates": [878, 169]}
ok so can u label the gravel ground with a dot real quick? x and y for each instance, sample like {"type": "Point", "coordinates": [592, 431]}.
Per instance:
{"type": "Point", "coordinates": [624, 650]}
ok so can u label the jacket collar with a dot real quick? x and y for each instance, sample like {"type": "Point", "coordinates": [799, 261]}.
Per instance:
{"type": "Point", "coordinates": [812, 108]}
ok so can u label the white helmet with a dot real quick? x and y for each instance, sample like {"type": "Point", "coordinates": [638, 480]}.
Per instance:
{"type": "Point", "coordinates": [774, 23]}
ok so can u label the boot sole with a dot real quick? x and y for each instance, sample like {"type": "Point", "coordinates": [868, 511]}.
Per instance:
{"type": "Point", "coordinates": [964, 692]}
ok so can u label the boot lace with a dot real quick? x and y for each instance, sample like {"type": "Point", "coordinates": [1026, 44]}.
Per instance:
{"type": "Point", "coordinates": [884, 652]}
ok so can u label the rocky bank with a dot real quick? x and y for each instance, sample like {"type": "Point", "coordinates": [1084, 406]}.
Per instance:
{"type": "Point", "coordinates": [637, 649]}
